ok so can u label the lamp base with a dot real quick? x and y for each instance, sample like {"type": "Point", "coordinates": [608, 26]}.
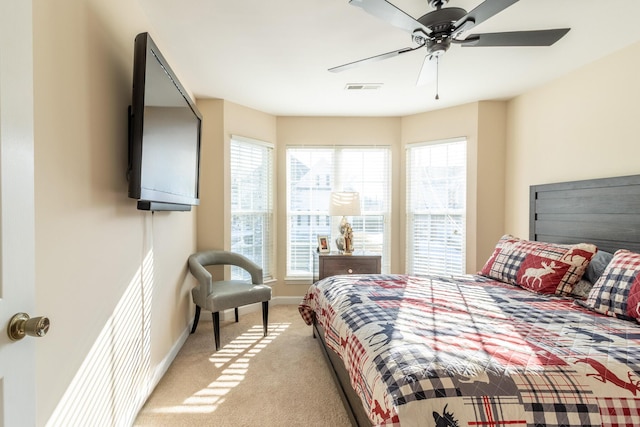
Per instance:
{"type": "Point", "coordinates": [344, 245]}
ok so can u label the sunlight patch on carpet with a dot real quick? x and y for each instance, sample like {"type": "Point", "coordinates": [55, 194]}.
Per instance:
{"type": "Point", "coordinates": [235, 361]}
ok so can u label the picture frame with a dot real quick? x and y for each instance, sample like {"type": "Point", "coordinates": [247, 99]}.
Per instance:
{"type": "Point", "coordinates": [323, 244]}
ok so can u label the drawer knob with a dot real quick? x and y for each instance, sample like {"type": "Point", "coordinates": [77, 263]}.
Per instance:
{"type": "Point", "coordinates": [349, 271]}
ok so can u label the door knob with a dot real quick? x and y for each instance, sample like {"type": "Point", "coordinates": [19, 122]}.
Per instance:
{"type": "Point", "coordinates": [21, 324]}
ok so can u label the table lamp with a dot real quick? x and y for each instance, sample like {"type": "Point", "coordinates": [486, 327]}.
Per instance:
{"type": "Point", "coordinates": [345, 203]}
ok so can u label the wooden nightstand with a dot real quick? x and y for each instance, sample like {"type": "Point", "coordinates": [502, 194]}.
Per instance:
{"type": "Point", "coordinates": [334, 263]}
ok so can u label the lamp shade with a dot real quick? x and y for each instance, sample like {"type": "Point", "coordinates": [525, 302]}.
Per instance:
{"type": "Point", "coordinates": [344, 203]}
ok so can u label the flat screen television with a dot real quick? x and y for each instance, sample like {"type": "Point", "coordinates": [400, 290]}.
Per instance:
{"type": "Point", "coordinates": [164, 135]}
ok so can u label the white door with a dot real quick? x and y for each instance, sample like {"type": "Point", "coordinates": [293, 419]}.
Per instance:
{"type": "Point", "coordinates": [17, 292]}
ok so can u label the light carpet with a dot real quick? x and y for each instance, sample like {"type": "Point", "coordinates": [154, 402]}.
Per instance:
{"type": "Point", "coordinates": [279, 380]}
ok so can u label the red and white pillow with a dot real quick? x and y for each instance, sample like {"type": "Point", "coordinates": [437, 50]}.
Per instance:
{"type": "Point", "coordinates": [617, 292]}
{"type": "Point", "coordinates": [545, 268]}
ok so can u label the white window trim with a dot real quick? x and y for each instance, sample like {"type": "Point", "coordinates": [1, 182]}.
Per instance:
{"type": "Point", "coordinates": [412, 145]}
{"type": "Point", "coordinates": [273, 262]}
{"type": "Point", "coordinates": [251, 141]}
{"type": "Point", "coordinates": [304, 279]}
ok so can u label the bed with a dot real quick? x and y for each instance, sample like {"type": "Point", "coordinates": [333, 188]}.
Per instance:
{"type": "Point", "coordinates": [529, 342]}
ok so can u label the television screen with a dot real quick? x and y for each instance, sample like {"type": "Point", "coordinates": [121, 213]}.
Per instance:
{"type": "Point", "coordinates": [164, 142]}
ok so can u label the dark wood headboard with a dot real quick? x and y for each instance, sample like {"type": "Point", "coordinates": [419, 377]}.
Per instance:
{"type": "Point", "coordinates": [605, 212]}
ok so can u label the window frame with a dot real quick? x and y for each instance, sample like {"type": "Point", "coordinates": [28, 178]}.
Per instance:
{"type": "Point", "coordinates": [410, 212]}
{"type": "Point", "coordinates": [327, 225]}
{"type": "Point", "coordinates": [267, 215]}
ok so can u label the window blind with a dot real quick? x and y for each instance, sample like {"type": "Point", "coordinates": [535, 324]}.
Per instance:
{"type": "Point", "coordinates": [252, 204]}
{"type": "Point", "coordinates": [436, 207]}
{"type": "Point", "coordinates": [312, 174]}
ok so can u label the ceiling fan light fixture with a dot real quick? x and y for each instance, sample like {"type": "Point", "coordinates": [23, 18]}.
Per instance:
{"type": "Point", "coordinates": [419, 37]}
{"type": "Point", "coordinates": [438, 46]}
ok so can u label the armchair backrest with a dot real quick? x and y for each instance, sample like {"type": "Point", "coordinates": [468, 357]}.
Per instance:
{"type": "Point", "coordinates": [199, 260]}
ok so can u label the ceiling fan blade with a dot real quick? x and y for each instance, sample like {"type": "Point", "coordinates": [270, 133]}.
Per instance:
{"type": "Point", "coordinates": [373, 59]}
{"type": "Point", "coordinates": [387, 12]}
{"type": "Point", "coordinates": [515, 38]}
{"type": "Point", "coordinates": [482, 12]}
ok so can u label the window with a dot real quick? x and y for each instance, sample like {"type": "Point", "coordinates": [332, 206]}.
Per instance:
{"type": "Point", "coordinates": [312, 174]}
{"type": "Point", "coordinates": [436, 207]}
{"type": "Point", "coordinates": [252, 204]}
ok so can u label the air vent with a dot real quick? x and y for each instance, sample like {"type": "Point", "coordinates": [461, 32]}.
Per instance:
{"type": "Point", "coordinates": [363, 86]}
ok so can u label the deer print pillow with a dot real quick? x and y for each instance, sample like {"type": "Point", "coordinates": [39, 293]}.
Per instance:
{"type": "Point", "coordinates": [545, 268]}
{"type": "Point", "coordinates": [617, 291]}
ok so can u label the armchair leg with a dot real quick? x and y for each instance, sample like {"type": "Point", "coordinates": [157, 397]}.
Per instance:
{"type": "Point", "coordinates": [265, 316]}
{"type": "Point", "coordinates": [236, 311]}
{"type": "Point", "coordinates": [196, 319]}
{"type": "Point", "coordinates": [216, 329]}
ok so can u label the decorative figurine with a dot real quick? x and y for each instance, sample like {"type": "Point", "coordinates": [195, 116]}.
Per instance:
{"type": "Point", "coordinates": [348, 239]}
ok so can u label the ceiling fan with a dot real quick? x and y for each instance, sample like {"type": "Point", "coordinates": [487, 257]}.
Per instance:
{"type": "Point", "coordinates": [438, 29]}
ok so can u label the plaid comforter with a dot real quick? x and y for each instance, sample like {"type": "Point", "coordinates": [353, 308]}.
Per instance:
{"type": "Point", "coordinates": [469, 351]}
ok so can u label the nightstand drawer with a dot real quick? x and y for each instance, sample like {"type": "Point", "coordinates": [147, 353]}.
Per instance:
{"type": "Point", "coordinates": [332, 265]}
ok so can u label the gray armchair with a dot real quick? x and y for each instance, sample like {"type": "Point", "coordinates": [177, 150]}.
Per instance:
{"type": "Point", "coordinates": [216, 296]}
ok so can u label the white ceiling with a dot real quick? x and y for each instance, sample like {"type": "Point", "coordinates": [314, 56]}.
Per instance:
{"type": "Point", "coordinates": [273, 55]}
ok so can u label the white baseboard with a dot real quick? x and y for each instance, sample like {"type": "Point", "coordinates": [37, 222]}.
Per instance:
{"type": "Point", "coordinates": [162, 367]}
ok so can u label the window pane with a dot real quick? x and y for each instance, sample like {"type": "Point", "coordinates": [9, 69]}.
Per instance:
{"type": "Point", "coordinates": [436, 208]}
{"type": "Point", "coordinates": [252, 204]}
{"type": "Point", "coordinates": [312, 174]}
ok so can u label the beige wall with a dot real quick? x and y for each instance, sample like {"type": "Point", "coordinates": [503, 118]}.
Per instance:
{"type": "Point", "coordinates": [112, 279]}
{"type": "Point", "coordinates": [211, 211]}
{"type": "Point", "coordinates": [581, 126]}
{"type": "Point", "coordinates": [490, 163]}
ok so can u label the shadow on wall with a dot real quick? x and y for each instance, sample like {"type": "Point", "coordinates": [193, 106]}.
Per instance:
{"type": "Point", "coordinates": [113, 382]}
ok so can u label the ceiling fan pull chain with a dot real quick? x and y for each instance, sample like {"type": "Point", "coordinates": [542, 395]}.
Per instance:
{"type": "Point", "coordinates": [437, 76]}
